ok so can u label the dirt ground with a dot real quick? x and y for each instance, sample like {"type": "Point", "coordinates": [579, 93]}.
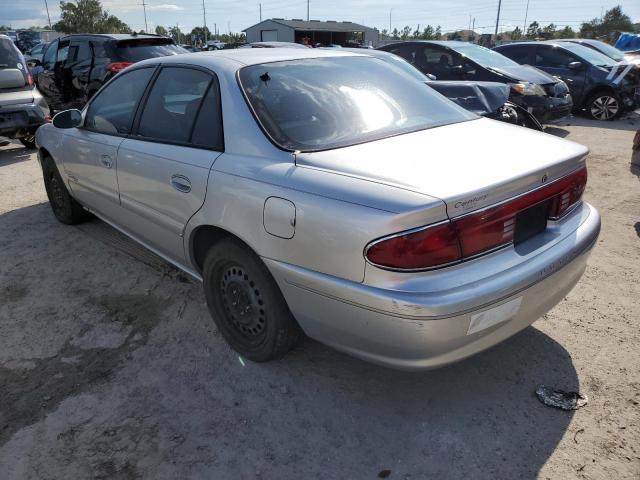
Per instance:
{"type": "Point", "coordinates": [110, 366]}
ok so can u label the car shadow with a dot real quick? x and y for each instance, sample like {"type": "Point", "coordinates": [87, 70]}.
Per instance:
{"type": "Point", "coordinates": [315, 413]}
{"type": "Point", "coordinates": [629, 121]}
{"type": "Point", "coordinates": [14, 153]}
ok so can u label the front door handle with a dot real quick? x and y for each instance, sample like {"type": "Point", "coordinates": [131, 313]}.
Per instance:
{"type": "Point", "coordinates": [106, 161]}
{"type": "Point", "coordinates": [181, 183]}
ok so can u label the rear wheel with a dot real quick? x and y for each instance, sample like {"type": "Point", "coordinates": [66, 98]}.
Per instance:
{"type": "Point", "coordinates": [604, 106]}
{"type": "Point", "coordinates": [246, 303]}
{"type": "Point", "coordinates": [66, 209]}
{"type": "Point", "coordinates": [29, 141]}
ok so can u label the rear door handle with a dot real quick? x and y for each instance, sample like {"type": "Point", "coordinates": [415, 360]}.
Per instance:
{"type": "Point", "coordinates": [106, 161]}
{"type": "Point", "coordinates": [181, 183]}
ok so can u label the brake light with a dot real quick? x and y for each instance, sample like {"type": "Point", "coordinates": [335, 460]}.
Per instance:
{"type": "Point", "coordinates": [30, 79]}
{"type": "Point", "coordinates": [475, 233]}
{"type": "Point", "coordinates": [115, 67]}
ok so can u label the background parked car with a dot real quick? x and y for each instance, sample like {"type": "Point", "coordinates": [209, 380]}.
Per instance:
{"type": "Point", "coordinates": [22, 108]}
{"type": "Point", "coordinates": [606, 49]}
{"type": "Point", "coordinates": [76, 66]}
{"type": "Point", "coordinates": [488, 99]}
{"type": "Point", "coordinates": [545, 96]}
{"type": "Point", "coordinates": [35, 54]}
{"type": "Point", "coordinates": [599, 85]}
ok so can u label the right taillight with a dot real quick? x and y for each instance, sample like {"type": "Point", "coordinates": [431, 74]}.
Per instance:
{"type": "Point", "coordinates": [115, 67]}
{"type": "Point", "coordinates": [475, 233]}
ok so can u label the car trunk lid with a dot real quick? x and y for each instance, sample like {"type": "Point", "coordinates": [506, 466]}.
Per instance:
{"type": "Point", "coordinates": [468, 165]}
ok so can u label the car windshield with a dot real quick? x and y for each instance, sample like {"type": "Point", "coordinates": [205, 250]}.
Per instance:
{"type": "Point", "coordinates": [589, 55]}
{"type": "Point", "coordinates": [484, 57]}
{"type": "Point", "coordinates": [609, 51]}
{"type": "Point", "coordinates": [136, 50]}
{"type": "Point", "coordinates": [402, 64]}
{"type": "Point", "coordinates": [323, 103]}
{"type": "Point", "coordinates": [10, 56]}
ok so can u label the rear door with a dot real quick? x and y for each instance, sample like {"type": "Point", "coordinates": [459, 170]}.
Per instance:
{"type": "Point", "coordinates": [76, 72]}
{"type": "Point", "coordinates": [90, 152]}
{"type": "Point", "coordinates": [163, 167]}
{"type": "Point", "coordinates": [555, 61]}
{"type": "Point", "coordinates": [45, 79]}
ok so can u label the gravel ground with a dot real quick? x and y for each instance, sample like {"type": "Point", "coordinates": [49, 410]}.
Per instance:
{"type": "Point", "coordinates": [110, 366]}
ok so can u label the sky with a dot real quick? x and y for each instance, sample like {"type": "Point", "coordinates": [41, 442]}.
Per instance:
{"type": "Point", "coordinates": [236, 15]}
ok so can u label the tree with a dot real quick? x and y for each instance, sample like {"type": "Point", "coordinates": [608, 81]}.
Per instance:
{"type": "Point", "coordinates": [201, 34]}
{"type": "Point", "coordinates": [438, 33]}
{"type": "Point", "coordinates": [87, 16]}
{"type": "Point", "coordinates": [395, 34]}
{"type": "Point", "coordinates": [406, 31]}
{"type": "Point", "coordinates": [516, 34]}
{"type": "Point", "coordinates": [176, 34]}
{"type": "Point", "coordinates": [566, 32]}
{"type": "Point", "coordinates": [160, 30]}
{"type": "Point", "coordinates": [548, 32]}
{"type": "Point", "coordinates": [384, 34]}
{"type": "Point", "coordinates": [534, 30]}
{"type": "Point", "coordinates": [613, 21]}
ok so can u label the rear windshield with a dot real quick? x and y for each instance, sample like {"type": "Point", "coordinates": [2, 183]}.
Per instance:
{"type": "Point", "coordinates": [323, 103]}
{"type": "Point", "coordinates": [136, 50]}
{"type": "Point", "coordinates": [10, 56]}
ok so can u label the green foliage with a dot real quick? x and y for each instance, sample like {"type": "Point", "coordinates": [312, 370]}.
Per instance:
{"type": "Point", "coordinates": [612, 21]}
{"type": "Point", "coordinates": [87, 16]}
{"type": "Point", "coordinates": [516, 34]}
{"type": "Point", "coordinates": [566, 32]}
{"type": "Point", "coordinates": [160, 30]}
{"type": "Point", "coordinates": [534, 31]}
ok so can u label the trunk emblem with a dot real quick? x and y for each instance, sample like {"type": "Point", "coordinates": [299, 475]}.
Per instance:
{"type": "Point", "coordinates": [544, 179]}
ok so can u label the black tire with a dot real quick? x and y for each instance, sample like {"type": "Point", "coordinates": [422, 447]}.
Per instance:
{"type": "Point", "coordinates": [66, 209]}
{"type": "Point", "coordinates": [604, 105]}
{"type": "Point", "coordinates": [246, 303]}
{"type": "Point", "coordinates": [29, 141]}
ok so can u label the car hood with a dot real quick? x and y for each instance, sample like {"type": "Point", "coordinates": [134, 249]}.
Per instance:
{"type": "Point", "coordinates": [468, 165]}
{"type": "Point", "coordinates": [525, 73]}
{"type": "Point", "coordinates": [481, 98]}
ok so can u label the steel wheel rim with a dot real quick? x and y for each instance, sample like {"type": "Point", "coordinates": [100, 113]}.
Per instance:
{"type": "Point", "coordinates": [243, 304]}
{"type": "Point", "coordinates": [57, 192]}
{"type": "Point", "coordinates": [604, 108]}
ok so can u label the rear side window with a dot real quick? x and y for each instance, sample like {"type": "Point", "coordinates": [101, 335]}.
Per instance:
{"type": "Point", "coordinates": [173, 104]}
{"type": "Point", "coordinates": [10, 56]}
{"type": "Point", "coordinates": [207, 131]}
{"type": "Point", "coordinates": [112, 110]}
{"type": "Point", "coordinates": [79, 51]}
{"type": "Point", "coordinates": [50, 55]}
{"type": "Point", "coordinates": [136, 50]}
{"type": "Point", "coordinates": [517, 54]}
{"type": "Point", "coordinates": [552, 57]}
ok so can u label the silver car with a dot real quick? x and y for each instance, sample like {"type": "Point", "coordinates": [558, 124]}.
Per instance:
{"type": "Point", "coordinates": [328, 193]}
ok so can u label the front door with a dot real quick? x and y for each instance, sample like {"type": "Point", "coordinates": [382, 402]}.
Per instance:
{"type": "Point", "coordinates": [91, 151]}
{"type": "Point", "coordinates": [76, 72]}
{"type": "Point", "coordinates": [46, 76]}
{"type": "Point", "coordinates": [163, 167]}
{"type": "Point", "coordinates": [555, 61]}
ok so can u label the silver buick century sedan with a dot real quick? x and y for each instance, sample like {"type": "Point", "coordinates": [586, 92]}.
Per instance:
{"type": "Point", "coordinates": [328, 193]}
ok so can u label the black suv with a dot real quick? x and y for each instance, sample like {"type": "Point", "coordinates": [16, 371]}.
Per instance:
{"type": "Point", "coordinates": [76, 66]}
{"type": "Point", "coordinates": [542, 95]}
{"type": "Point", "coordinates": [601, 86]}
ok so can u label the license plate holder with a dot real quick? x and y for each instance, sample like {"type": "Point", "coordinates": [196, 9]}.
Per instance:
{"type": "Point", "coordinates": [531, 222]}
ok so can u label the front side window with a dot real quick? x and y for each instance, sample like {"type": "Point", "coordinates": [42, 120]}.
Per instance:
{"type": "Point", "coordinates": [173, 104]}
{"type": "Point", "coordinates": [553, 58]}
{"type": "Point", "coordinates": [483, 56]}
{"type": "Point", "coordinates": [323, 103]}
{"type": "Point", "coordinates": [112, 110]}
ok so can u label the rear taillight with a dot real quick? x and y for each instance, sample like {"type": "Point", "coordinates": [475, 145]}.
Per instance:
{"type": "Point", "coordinates": [115, 67]}
{"type": "Point", "coordinates": [474, 233]}
{"type": "Point", "coordinates": [29, 79]}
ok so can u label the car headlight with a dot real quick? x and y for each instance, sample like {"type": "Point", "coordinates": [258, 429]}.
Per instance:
{"type": "Point", "coordinates": [526, 88]}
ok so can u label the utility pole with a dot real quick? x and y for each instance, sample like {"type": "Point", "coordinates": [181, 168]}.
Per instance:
{"type": "Point", "coordinates": [204, 20]}
{"type": "Point", "coordinates": [144, 8]}
{"type": "Point", "coordinates": [390, 12]}
{"type": "Point", "coordinates": [48, 17]}
{"type": "Point", "coordinates": [469, 22]}
{"type": "Point", "coordinates": [473, 28]}
{"type": "Point", "coordinates": [307, 10]}
{"type": "Point", "coordinates": [228, 27]}
{"type": "Point", "coordinates": [498, 18]}
{"type": "Point", "coordinates": [526, 14]}
{"type": "Point", "coordinates": [260, 5]}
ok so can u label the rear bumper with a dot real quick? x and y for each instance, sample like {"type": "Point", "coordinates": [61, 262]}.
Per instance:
{"type": "Point", "coordinates": [426, 329]}
{"type": "Point", "coordinates": [20, 120]}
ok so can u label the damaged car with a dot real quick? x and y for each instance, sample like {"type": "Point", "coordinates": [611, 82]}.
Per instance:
{"type": "Point", "coordinates": [377, 217]}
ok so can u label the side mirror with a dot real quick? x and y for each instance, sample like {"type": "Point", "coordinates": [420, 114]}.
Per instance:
{"type": "Point", "coordinates": [67, 119]}
{"type": "Point", "coordinates": [575, 66]}
{"type": "Point", "coordinates": [431, 76]}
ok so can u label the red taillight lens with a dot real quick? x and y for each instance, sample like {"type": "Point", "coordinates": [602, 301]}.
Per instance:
{"type": "Point", "coordinates": [30, 79]}
{"type": "Point", "coordinates": [425, 248]}
{"type": "Point", "coordinates": [475, 233]}
{"type": "Point", "coordinates": [115, 67]}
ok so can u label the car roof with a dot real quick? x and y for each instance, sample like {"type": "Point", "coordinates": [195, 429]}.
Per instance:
{"type": "Point", "coordinates": [234, 59]}
{"type": "Point", "coordinates": [114, 36]}
{"type": "Point", "coordinates": [443, 43]}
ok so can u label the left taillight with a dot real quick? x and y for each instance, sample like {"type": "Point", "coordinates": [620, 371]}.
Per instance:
{"type": "Point", "coordinates": [115, 67]}
{"type": "Point", "coordinates": [475, 233]}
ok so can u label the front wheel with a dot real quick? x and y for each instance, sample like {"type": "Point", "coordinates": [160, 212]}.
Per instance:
{"type": "Point", "coordinates": [66, 209]}
{"type": "Point", "coordinates": [29, 141]}
{"type": "Point", "coordinates": [246, 303]}
{"type": "Point", "coordinates": [604, 106]}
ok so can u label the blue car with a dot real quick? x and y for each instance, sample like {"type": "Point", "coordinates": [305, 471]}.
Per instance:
{"type": "Point", "coordinates": [599, 85]}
